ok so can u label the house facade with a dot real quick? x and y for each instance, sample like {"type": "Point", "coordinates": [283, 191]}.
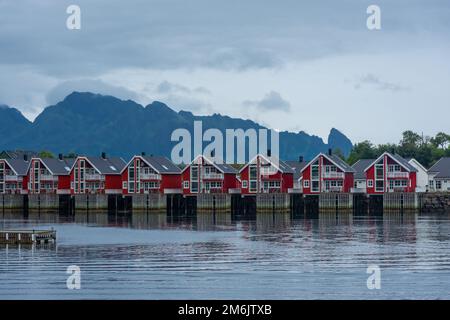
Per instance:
{"type": "Point", "coordinates": [360, 181]}
{"type": "Point", "coordinates": [439, 175]}
{"type": "Point", "coordinates": [149, 174]}
{"type": "Point", "coordinates": [13, 176]}
{"type": "Point", "coordinates": [297, 167]}
{"type": "Point", "coordinates": [96, 175]}
{"type": "Point", "coordinates": [47, 175]}
{"type": "Point", "coordinates": [422, 177]}
{"type": "Point", "coordinates": [265, 174]}
{"type": "Point", "coordinates": [390, 173]}
{"type": "Point", "coordinates": [327, 173]}
{"type": "Point", "coordinates": [204, 175]}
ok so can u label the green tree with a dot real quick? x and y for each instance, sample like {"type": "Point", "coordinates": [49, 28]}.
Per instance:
{"type": "Point", "coordinates": [441, 140]}
{"type": "Point", "coordinates": [46, 154]}
{"type": "Point", "coordinates": [361, 150]}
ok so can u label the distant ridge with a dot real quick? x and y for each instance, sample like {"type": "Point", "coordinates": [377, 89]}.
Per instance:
{"type": "Point", "coordinates": [89, 123]}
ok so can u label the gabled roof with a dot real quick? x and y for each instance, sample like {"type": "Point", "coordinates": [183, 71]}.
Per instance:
{"type": "Point", "coordinates": [297, 166]}
{"type": "Point", "coordinates": [359, 168]}
{"type": "Point", "coordinates": [397, 158]}
{"type": "Point", "coordinates": [441, 168]}
{"type": "Point", "coordinates": [57, 167]}
{"type": "Point", "coordinates": [162, 165]}
{"type": "Point", "coordinates": [18, 154]}
{"type": "Point", "coordinates": [341, 164]}
{"type": "Point", "coordinates": [19, 166]}
{"type": "Point", "coordinates": [417, 162]}
{"type": "Point", "coordinates": [224, 168]}
{"type": "Point", "coordinates": [282, 166]}
{"type": "Point", "coordinates": [112, 165]}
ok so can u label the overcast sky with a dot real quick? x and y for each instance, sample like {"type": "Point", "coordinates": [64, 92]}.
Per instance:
{"type": "Point", "coordinates": [288, 64]}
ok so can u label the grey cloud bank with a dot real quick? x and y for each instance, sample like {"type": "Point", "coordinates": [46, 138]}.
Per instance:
{"type": "Point", "coordinates": [211, 55]}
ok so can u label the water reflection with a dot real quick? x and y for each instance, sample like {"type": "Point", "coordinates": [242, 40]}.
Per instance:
{"type": "Point", "coordinates": [223, 256]}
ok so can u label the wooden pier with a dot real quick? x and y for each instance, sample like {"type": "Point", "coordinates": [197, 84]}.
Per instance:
{"type": "Point", "coordinates": [27, 236]}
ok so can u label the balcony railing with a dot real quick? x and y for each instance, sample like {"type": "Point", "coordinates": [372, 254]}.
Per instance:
{"type": "Point", "coordinates": [397, 174]}
{"type": "Point", "coordinates": [12, 178]}
{"type": "Point", "coordinates": [212, 176]}
{"type": "Point", "coordinates": [332, 189]}
{"type": "Point", "coordinates": [48, 177]}
{"type": "Point", "coordinates": [150, 176]}
{"type": "Point", "coordinates": [333, 175]}
{"type": "Point", "coordinates": [94, 177]}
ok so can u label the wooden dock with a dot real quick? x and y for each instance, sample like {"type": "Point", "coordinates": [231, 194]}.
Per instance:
{"type": "Point", "coordinates": [27, 236]}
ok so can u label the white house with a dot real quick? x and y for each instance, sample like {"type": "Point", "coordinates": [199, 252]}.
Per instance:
{"type": "Point", "coordinates": [421, 175]}
{"type": "Point", "coordinates": [439, 175]}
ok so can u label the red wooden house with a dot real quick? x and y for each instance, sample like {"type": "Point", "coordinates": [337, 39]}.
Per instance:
{"type": "Point", "coordinates": [144, 174]}
{"type": "Point", "coordinates": [390, 173]}
{"type": "Point", "coordinates": [264, 174]}
{"type": "Point", "coordinates": [327, 173]}
{"type": "Point", "coordinates": [13, 176]}
{"type": "Point", "coordinates": [97, 175]}
{"type": "Point", "coordinates": [48, 175]}
{"type": "Point", "coordinates": [203, 175]}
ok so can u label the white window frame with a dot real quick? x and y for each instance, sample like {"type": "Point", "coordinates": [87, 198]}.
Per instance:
{"type": "Point", "coordinates": [244, 184]}
{"type": "Point", "coordinates": [306, 184]}
{"type": "Point", "coordinates": [370, 183]}
{"type": "Point", "coordinates": [185, 184]}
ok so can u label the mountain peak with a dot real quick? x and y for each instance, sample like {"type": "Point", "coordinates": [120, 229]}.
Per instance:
{"type": "Point", "coordinates": [336, 139]}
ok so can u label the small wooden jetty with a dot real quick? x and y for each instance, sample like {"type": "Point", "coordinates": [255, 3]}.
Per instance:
{"type": "Point", "coordinates": [27, 236]}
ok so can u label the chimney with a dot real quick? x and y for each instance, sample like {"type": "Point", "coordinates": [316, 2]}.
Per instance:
{"type": "Point", "coordinates": [60, 156]}
{"type": "Point", "coordinates": [103, 155]}
{"type": "Point", "coordinates": [143, 153]}
{"type": "Point", "coordinates": [300, 159]}
{"type": "Point", "coordinates": [330, 152]}
{"type": "Point", "coordinates": [25, 157]}
{"type": "Point", "coordinates": [269, 152]}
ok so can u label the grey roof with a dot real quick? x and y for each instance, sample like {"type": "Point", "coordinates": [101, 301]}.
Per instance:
{"type": "Point", "coordinates": [58, 167]}
{"type": "Point", "coordinates": [284, 167]}
{"type": "Point", "coordinates": [344, 165]}
{"type": "Point", "coordinates": [226, 168]}
{"type": "Point", "coordinates": [442, 168]}
{"type": "Point", "coordinates": [19, 165]}
{"type": "Point", "coordinates": [404, 162]}
{"type": "Point", "coordinates": [18, 154]}
{"type": "Point", "coordinates": [360, 166]}
{"type": "Point", "coordinates": [108, 165]}
{"type": "Point", "coordinates": [297, 166]}
{"type": "Point", "coordinates": [162, 164]}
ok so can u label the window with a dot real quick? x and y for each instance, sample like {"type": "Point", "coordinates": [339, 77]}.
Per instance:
{"type": "Point", "coordinates": [124, 185]}
{"type": "Point", "coordinates": [438, 184]}
{"type": "Point", "coordinates": [252, 178]}
{"type": "Point", "coordinates": [244, 184]}
{"type": "Point", "coordinates": [314, 186]}
{"type": "Point", "coordinates": [306, 184]}
{"type": "Point", "coordinates": [370, 183]}
{"type": "Point", "coordinates": [194, 178]}
{"type": "Point", "coordinates": [340, 183]}
{"type": "Point", "coordinates": [186, 184]}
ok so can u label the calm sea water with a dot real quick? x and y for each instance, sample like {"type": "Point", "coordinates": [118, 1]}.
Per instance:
{"type": "Point", "coordinates": [150, 256]}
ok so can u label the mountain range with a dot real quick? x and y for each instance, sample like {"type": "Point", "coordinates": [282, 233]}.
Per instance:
{"type": "Point", "coordinates": [88, 123]}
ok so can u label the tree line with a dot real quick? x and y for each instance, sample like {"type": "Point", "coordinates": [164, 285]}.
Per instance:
{"type": "Point", "coordinates": [425, 149]}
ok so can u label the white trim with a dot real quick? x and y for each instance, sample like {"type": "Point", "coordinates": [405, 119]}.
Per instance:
{"type": "Point", "coordinates": [390, 156]}
{"type": "Point", "coordinates": [207, 160]}
{"type": "Point", "coordinates": [329, 159]}
{"type": "Point", "coordinates": [265, 158]}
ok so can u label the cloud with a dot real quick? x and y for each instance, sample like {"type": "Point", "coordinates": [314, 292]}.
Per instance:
{"type": "Point", "coordinates": [60, 91]}
{"type": "Point", "coordinates": [167, 87]}
{"type": "Point", "coordinates": [272, 101]}
{"type": "Point", "coordinates": [374, 81]}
